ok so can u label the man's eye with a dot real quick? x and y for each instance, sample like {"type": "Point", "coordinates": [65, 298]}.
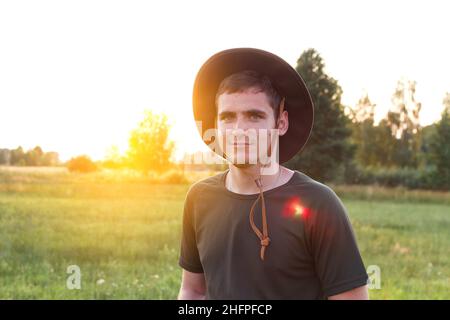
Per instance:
{"type": "Point", "coordinates": [255, 117]}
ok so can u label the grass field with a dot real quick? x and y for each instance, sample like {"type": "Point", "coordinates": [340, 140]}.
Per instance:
{"type": "Point", "coordinates": [124, 234]}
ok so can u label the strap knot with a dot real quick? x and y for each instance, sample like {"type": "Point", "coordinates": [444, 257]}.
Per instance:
{"type": "Point", "coordinates": [265, 241]}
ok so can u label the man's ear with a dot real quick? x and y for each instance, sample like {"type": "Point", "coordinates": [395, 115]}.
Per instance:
{"type": "Point", "coordinates": [283, 123]}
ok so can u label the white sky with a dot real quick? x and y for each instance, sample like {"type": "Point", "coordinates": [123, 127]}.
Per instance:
{"type": "Point", "coordinates": [75, 76]}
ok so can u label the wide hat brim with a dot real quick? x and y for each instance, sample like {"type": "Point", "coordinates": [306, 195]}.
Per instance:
{"type": "Point", "coordinates": [284, 78]}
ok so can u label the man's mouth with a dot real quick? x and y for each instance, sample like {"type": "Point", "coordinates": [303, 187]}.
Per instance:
{"type": "Point", "coordinates": [240, 144]}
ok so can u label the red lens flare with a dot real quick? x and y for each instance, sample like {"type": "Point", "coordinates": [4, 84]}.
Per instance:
{"type": "Point", "coordinates": [295, 209]}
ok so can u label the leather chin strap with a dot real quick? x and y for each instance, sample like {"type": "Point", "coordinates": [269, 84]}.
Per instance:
{"type": "Point", "coordinates": [263, 236]}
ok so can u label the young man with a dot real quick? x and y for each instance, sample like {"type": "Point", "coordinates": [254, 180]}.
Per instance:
{"type": "Point", "coordinates": [302, 245]}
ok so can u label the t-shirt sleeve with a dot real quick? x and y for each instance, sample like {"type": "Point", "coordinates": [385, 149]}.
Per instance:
{"type": "Point", "coordinates": [189, 258]}
{"type": "Point", "coordinates": [332, 241]}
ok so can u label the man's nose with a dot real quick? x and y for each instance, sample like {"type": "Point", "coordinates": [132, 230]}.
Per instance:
{"type": "Point", "coordinates": [241, 130]}
{"type": "Point", "coordinates": [240, 124]}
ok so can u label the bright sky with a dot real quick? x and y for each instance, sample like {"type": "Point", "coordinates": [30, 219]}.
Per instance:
{"type": "Point", "coordinates": [75, 76]}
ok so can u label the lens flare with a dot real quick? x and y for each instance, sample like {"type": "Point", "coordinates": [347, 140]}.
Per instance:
{"type": "Point", "coordinates": [295, 209]}
{"type": "Point", "coordinates": [298, 210]}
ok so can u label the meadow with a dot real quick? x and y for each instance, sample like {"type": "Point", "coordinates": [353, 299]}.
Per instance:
{"type": "Point", "coordinates": [123, 231]}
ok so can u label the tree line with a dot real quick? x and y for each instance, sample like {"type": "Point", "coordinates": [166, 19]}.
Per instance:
{"type": "Point", "coordinates": [32, 157]}
{"type": "Point", "coordinates": [348, 146]}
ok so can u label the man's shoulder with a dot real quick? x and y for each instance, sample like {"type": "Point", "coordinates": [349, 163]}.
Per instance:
{"type": "Point", "coordinates": [204, 184]}
{"type": "Point", "coordinates": [305, 182]}
{"type": "Point", "coordinates": [318, 193]}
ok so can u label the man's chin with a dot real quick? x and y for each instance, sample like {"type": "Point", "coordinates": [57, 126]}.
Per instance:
{"type": "Point", "coordinates": [242, 160]}
{"type": "Point", "coordinates": [242, 164]}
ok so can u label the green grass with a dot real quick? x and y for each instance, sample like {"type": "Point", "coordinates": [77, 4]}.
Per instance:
{"type": "Point", "coordinates": [124, 234]}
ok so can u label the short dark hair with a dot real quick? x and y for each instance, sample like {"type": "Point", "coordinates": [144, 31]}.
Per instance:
{"type": "Point", "coordinates": [244, 80]}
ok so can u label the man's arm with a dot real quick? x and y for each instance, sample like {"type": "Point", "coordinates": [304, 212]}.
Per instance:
{"type": "Point", "coordinates": [360, 293]}
{"type": "Point", "coordinates": [193, 286]}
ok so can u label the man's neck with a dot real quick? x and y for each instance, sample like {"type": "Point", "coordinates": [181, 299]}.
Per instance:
{"type": "Point", "coordinates": [242, 180]}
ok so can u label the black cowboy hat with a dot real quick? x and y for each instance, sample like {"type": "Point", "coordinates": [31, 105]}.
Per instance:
{"type": "Point", "coordinates": [284, 78]}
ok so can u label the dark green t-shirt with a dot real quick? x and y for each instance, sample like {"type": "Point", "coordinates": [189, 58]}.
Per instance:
{"type": "Point", "coordinates": [312, 253]}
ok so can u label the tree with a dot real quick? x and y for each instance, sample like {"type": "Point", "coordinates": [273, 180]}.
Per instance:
{"type": "Point", "coordinates": [34, 157]}
{"type": "Point", "coordinates": [403, 120]}
{"type": "Point", "coordinates": [384, 146]}
{"type": "Point", "coordinates": [328, 148]}
{"type": "Point", "coordinates": [364, 132]}
{"type": "Point", "coordinates": [148, 145]}
{"type": "Point", "coordinates": [363, 111]}
{"type": "Point", "coordinates": [17, 157]}
{"type": "Point", "coordinates": [5, 156]}
{"type": "Point", "coordinates": [50, 159]}
{"type": "Point", "coordinates": [440, 147]}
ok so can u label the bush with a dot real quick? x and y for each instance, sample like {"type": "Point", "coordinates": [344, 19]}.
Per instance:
{"type": "Point", "coordinates": [82, 164]}
{"type": "Point", "coordinates": [173, 177]}
{"type": "Point", "coordinates": [411, 178]}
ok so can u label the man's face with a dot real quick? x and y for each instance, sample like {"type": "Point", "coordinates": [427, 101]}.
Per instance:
{"type": "Point", "coordinates": [240, 118]}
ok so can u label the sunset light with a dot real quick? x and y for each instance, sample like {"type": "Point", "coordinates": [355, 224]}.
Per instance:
{"type": "Point", "coordinates": [80, 80]}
